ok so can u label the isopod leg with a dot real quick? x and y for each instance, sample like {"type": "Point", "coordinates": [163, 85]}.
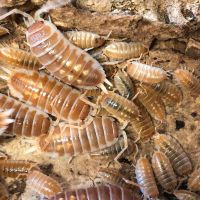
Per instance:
{"type": "Point", "coordinates": [131, 183]}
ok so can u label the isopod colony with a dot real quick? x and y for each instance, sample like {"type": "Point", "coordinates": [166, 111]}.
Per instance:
{"type": "Point", "coordinates": [61, 97]}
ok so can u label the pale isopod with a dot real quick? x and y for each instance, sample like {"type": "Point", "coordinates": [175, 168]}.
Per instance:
{"type": "Point", "coordinates": [43, 184]}
{"type": "Point", "coordinates": [152, 102]}
{"type": "Point", "coordinates": [18, 58]}
{"type": "Point", "coordinates": [47, 94]}
{"type": "Point", "coordinates": [28, 121]}
{"type": "Point", "coordinates": [194, 181]}
{"type": "Point", "coordinates": [146, 73]}
{"type": "Point", "coordinates": [186, 195]}
{"type": "Point", "coordinates": [169, 92]}
{"type": "Point", "coordinates": [175, 152]}
{"type": "Point", "coordinates": [124, 50]}
{"type": "Point", "coordinates": [16, 168]}
{"type": "Point", "coordinates": [65, 140]}
{"type": "Point", "coordinates": [124, 84]}
{"type": "Point", "coordinates": [145, 178]}
{"type": "Point", "coordinates": [188, 81]}
{"type": "Point", "coordinates": [3, 192]}
{"type": "Point", "coordinates": [108, 192]}
{"type": "Point", "coordinates": [85, 40]}
{"type": "Point", "coordinates": [118, 106]}
{"type": "Point", "coordinates": [163, 171]}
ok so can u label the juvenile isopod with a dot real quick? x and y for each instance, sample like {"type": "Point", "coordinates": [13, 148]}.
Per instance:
{"type": "Point", "coordinates": [188, 81]}
{"type": "Point", "coordinates": [124, 84]}
{"type": "Point", "coordinates": [107, 192]}
{"type": "Point", "coordinates": [27, 121]}
{"type": "Point", "coordinates": [194, 181]}
{"type": "Point", "coordinates": [163, 171]}
{"type": "Point", "coordinates": [186, 195]}
{"type": "Point", "coordinates": [3, 192]}
{"type": "Point", "coordinates": [118, 106]}
{"type": "Point", "coordinates": [145, 178]}
{"type": "Point", "coordinates": [102, 132]}
{"type": "Point", "coordinates": [152, 102]}
{"type": "Point", "coordinates": [146, 73]}
{"type": "Point", "coordinates": [116, 148]}
{"type": "Point", "coordinates": [175, 152]}
{"type": "Point", "coordinates": [124, 50]}
{"type": "Point", "coordinates": [16, 168]}
{"type": "Point", "coordinates": [18, 58]}
{"type": "Point", "coordinates": [47, 94]}
{"type": "Point", "coordinates": [85, 40]}
{"type": "Point", "coordinates": [169, 92]}
{"type": "Point", "coordinates": [5, 119]}
{"type": "Point", "coordinates": [43, 184]}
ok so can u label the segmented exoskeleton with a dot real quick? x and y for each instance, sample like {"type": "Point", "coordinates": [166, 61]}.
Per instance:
{"type": "Point", "coordinates": [188, 81]}
{"type": "Point", "coordinates": [194, 181]}
{"type": "Point", "coordinates": [85, 40]}
{"type": "Point", "coordinates": [43, 184]}
{"type": "Point", "coordinates": [163, 171]}
{"type": "Point", "coordinates": [5, 119]}
{"type": "Point", "coordinates": [18, 58]}
{"type": "Point", "coordinates": [27, 120]}
{"type": "Point", "coordinates": [186, 195]}
{"type": "Point", "coordinates": [47, 94]}
{"type": "Point", "coordinates": [108, 192]}
{"type": "Point", "coordinates": [175, 152]}
{"type": "Point", "coordinates": [146, 73]}
{"type": "Point", "coordinates": [102, 132]}
{"type": "Point", "coordinates": [124, 50]}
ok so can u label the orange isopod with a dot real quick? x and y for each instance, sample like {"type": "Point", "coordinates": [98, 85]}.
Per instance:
{"type": "Point", "coordinates": [28, 121]}
{"type": "Point", "coordinates": [47, 94]}
{"type": "Point", "coordinates": [188, 81]}
{"type": "Point", "coordinates": [5, 119]}
{"type": "Point", "coordinates": [118, 106]}
{"type": "Point", "coordinates": [163, 171]}
{"type": "Point", "coordinates": [18, 58]}
{"type": "Point", "coordinates": [145, 178]}
{"type": "Point", "coordinates": [124, 50]}
{"type": "Point", "coordinates": [3, 192]}
{"type": "Point", "coordinates": [16, 168]}
{"type": "Point", "coordinates": [84, 39]}
{"type": "Point", "coordinates": [62, 59]}
{"type": "Point", "coordinates": [194, 181]}
{"type": "Point", "coordinates": [102, 132]}
{"type": "Point", "coordinates": [146, 73]}
{"type": "Point", "coordinates": [43, 184]}
{"type": "Point", "coordinates": [152, 102]}
{"type": "Point", "coordinates": [175, 152]}
{"type": "Point", "coordinates": [186, 195]}
{"type": "Point", "coordinates": [169, 92]}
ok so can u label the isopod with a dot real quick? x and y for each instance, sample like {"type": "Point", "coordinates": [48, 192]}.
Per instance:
{"type": "Point", "coordinates": [3, 192]}
{"type": "Point", "coordinates": [124, 50]}
{"type": "Point", "coordinates": [18, 58]}
{"type": "Point", "coordinates": [169, 92]}
{"type": "Point", "coordinates": [43, 184]}
{"type": "Point", "coordinates": [102, 132]}
{"type": "Point", "coordinates": [16, 168]}
{"type": "Point", "coordinates": [85, 40]}
{"type": "Point", "coordinates": [124, 84]}
{"type": "Point", "coordinates": [28, 121]}
{"type": "Point", "coordinates": [186, 195]}
{"type": "Point", "coordinates": [107, 192]}
{"type": "Point", "coordinates": [152, 101]}
{"type": "Point", "coordinates": [118, 106]}
{"type": "Point", "coordinates": [116, 148]}
{"type": "Point", "coordinates": [194, 181]}
{"type": "Point", "coordinates": [175, 152]}
{"type": "Point", "coordinates": [145, 178]}
{"type": "Point", "coordinates": [5, 119]}
{"type": "Point", "coordinates": [47, 94]}
{"type": "Point", "coordinates": [163, 171]}
{"type": "Point", "coordinates": [188, 81]}
{"type": "Point", "coordinates": [146, 73]}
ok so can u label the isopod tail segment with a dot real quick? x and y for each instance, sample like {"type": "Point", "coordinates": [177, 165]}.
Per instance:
{"type": "Point", "coordinates": [5, 119]}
